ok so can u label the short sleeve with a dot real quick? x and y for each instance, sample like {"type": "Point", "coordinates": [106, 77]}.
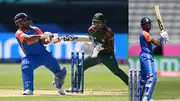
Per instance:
{"type": "Point", "coordinates": [20, 35]}
{"type": "Point", "coordinates": [111, 32]}
{"type": "Point", "coordinates": [91, 30]}
{"type": "Point", "coordinates": [39, 31]}
{"type": "Point", "coordinates": [147, 36]}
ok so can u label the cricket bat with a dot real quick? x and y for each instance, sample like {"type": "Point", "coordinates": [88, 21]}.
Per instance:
{"type": "Point", "coordinates": [158, 17]}
{"type": "Point", "coordinates": [78, 38]}
{"type": "Point", "coordinates": [160, 22]}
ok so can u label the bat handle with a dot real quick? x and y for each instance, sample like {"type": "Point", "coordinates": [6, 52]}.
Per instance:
{"type": "Point", "coordinates": [162, 30]}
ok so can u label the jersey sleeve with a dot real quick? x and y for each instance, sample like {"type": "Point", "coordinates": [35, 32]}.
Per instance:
{"type": "Point", "coordinates": [20, 35]}
{"type": "Point", "coordinates": [91, 31]}
{"type": "Point", "coordinates": [147, 36]}
{"type": "Point", "coordinates": [111, 34]}
{"type": "Point", "coordinates": [38, 30]}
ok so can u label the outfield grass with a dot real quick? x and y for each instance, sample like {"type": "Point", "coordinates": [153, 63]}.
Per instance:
{"type": "Point", "coordinates": [68, 98]}
{"type": "Point", "coordinates": [167, 88]}
{"type": "Point", "coordinates": [97, 78]}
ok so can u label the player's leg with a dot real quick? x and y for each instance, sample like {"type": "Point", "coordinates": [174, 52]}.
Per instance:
{"type": "Point", "coordinates": [28, 64]}
{"type": "Point", "coordinates": [88, 62]}
{"type": "Point", "coordinates": [59, 74]}
{"type": "Point", "coordinates": [151, 82]}
{"type": "Point", "coordinates": [143, 79]}
{"type": "Point", "coordinates": [149, 77]}
{"type": "Point", "coordinates": [110, 61]}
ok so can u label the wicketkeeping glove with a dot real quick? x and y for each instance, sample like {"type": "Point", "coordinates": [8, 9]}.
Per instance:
{"type": "Point", "coordinates": [96, 50]}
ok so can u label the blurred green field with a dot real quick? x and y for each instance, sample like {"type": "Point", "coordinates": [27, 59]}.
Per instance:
{"type": "Point", "coordinates": [97, 78]}
{"type": "Point", "coordinates": [68, 98]}
{"type": "Point", "coordinates": [167, 88]}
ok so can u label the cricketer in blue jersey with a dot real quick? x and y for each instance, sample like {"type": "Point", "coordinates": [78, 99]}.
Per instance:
{"type": "Point", "coordinates": [31, 39]}
{"type": "Point", "coordinates": [148, 74]}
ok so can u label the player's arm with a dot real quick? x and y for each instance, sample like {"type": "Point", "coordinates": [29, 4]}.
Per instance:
{"type": "Point", "coordinates": [27, 38]}
{"type": "Point", "coordinates": [157, 42]}
{"type": "Point", "coordinates": [51, 38]}
{"type": "Point", "coordinates": [111, 35]}
{"type": "Point", "coordinates": [41, 34]}
{"type": "Point", "coordinates": [98, 45]}
{"type": "Point", "coordinates": [30, 39]}
{"type": "Point", "coordinates": [92, 33]}
{"type": "Point", "coordinates": [109, 38]}
{"type": "Point", "coordinates": [148, 38]}
{"type": "Point", "coordinates": [164, 38]}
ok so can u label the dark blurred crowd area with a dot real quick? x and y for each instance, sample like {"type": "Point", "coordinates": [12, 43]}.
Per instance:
{"type": "Point", "coordinates": [65, 15]}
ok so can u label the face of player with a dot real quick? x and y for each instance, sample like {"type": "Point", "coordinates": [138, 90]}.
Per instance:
{"type": "Point", "coordinates": [147, 27]}
{"type": "Point", "coordinates": [23, 23]}
{"type": "Point", "coordinates": [99, 24]}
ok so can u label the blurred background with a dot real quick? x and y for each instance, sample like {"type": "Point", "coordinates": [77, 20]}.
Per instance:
{"type": "Point", "coordinates": [167, 61]}
{"type": "Point", "coordinates": [62, 17]}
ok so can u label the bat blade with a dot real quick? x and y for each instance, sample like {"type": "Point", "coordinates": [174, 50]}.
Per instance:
{"type": "Point", "coordinates": [158, 17]}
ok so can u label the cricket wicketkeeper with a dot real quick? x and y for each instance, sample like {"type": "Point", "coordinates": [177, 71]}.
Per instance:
{"type": "Point", "coordinates": [148, 74]}
{"type": "Point", "coordinates": [103, 51]}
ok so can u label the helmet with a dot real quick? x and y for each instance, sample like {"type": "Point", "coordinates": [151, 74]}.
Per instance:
{"type": "Point", "coordinates": [146, 23]}
{"type": "Point", "coordinates": [98, 17]}
{"type": "Point", "coordinates": [145, 20]}
{"type": "Point", "coordinates": [19, 17]}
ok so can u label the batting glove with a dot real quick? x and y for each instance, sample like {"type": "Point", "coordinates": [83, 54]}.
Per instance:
{"type": "Point", "coordinates": [47, 36]}
{"type": "Point", "coordinates": [165, 36]}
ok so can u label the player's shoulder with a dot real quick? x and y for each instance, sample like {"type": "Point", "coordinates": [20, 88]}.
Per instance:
{"type": "Point", "coordinates": [108, 28]}
{"type": "Point", "coordinates": [92, 28]}
{"type": "Point", "coordinates": [18, 33]}
{"type": "Point", "coordinates": [39, 31]}
{"type": "Point", "coordinates": [34, 27]}
{"type": "Point", "coordinates": [145, 33]}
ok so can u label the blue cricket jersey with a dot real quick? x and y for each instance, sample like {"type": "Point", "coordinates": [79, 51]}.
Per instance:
{"type": "Point", "coordinates": [145, 42]}
{"type": "Point", "coordinates": [31, 48]}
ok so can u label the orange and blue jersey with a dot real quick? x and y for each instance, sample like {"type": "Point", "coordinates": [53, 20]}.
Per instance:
{"type": "Point", "coordinates": [145, 42]}
{"type": "Point", "coordinates": [36, 55]}
{"type": "Point", "coordinates": [147, 70]}
{"type": "Point", "coordinates": [31, 48]}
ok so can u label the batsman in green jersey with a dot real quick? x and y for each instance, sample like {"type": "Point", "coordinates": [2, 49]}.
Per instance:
{"type": "Point", "coordinates": [104, 49]}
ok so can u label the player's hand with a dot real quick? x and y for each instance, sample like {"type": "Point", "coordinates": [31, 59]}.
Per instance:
{"type": "Point", "coordinates": [165, 36]}
{"type": "Point", "coordinates": [47, 36]}
{"type": "Point", "coordinates": [96, 50]}
{"type": "Point", "coordinates": [99, 47]}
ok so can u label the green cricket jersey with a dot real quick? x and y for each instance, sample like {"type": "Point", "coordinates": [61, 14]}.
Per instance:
{"type": "Point", "coordinates": [105, 36]}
